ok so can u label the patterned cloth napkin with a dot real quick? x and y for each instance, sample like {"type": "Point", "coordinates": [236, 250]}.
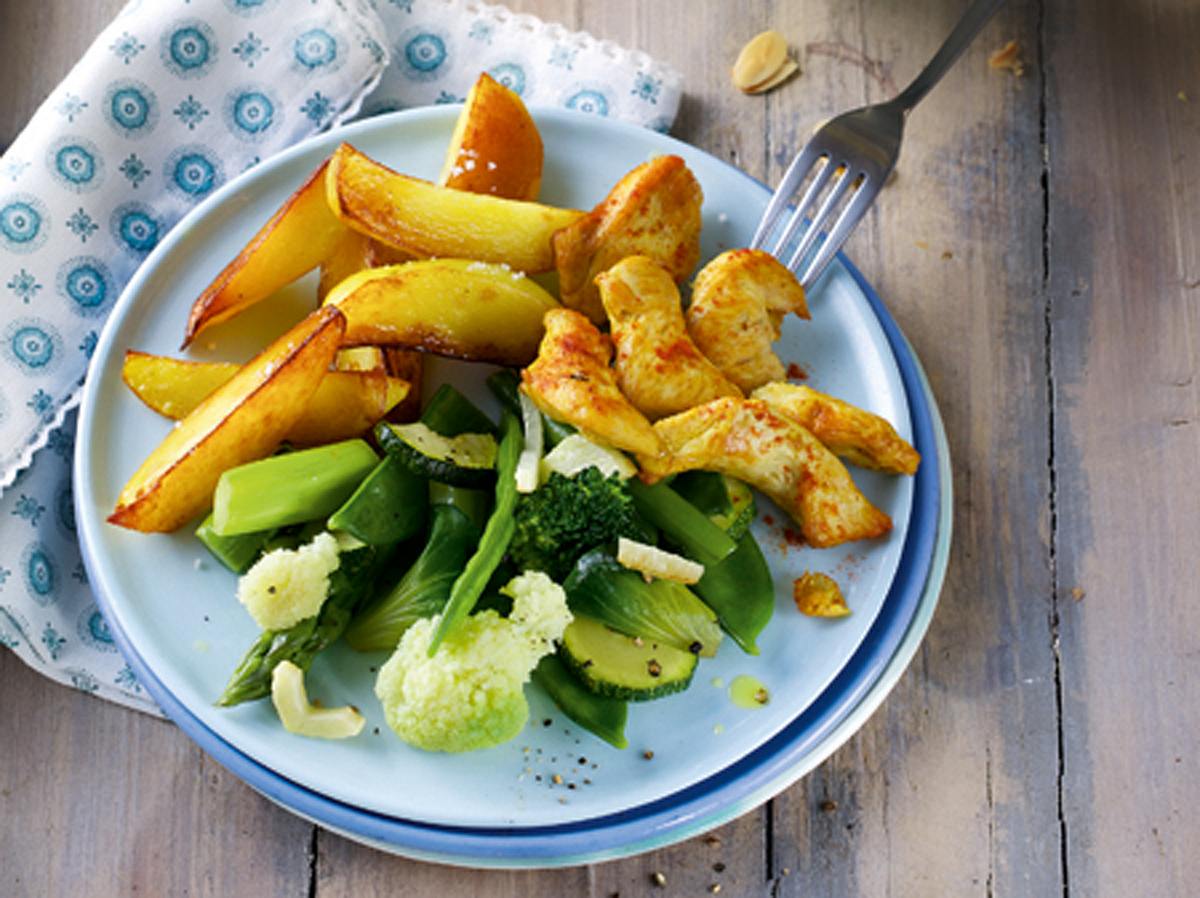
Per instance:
{"type": "Point", "coordinates": [173, 99]}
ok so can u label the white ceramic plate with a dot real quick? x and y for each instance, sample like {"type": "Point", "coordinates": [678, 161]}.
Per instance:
{"type": "Point", "coordinates": [181, 618]}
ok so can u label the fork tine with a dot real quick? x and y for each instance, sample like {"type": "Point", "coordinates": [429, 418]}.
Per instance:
{"type": "Point", "coordinates": [792, 179]}
{"type": "Point", "coordinates": [797, 220]}
{"type": "Point", "coordinates": [841, 231]}
{"type": "Point", "coordinates": [840, 186]}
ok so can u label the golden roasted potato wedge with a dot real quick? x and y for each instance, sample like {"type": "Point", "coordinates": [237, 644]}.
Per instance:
{"type": "Point", "coordinates": [453, 307]}
{"type": "Point", "coordinates": [653, 211]}
{"type": "Point", "coordinates": [744, 438]}
{"type": "Point", "coordinates": [738, 303]}
{"type": "Point", "coordinates": [346, 403]}
{"type": "Point", "coordinates": [241, 421]}
{"type": "Point", "coordinates": [861, 437]}
{"type": "Point", "coordinates": [420, 218]}
{"type": "Point", "coordinates": [659, 368]}
{"type": "Point", "coordinates": [571, 381]}
{"type": "Point", "coordinates": [407, 365]}
{"type": "Point", "coordinates": [496, 148]}
{"type": "Point", "coordinates": [360, 358]}
{"type": "Point", "coordinates": [296, 239]}
{"type": "Point", "coordinates": [350, 255]}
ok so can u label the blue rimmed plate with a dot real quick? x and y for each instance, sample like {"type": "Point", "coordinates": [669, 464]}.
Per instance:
{"type": "Point", "coordinates": [503, 806]}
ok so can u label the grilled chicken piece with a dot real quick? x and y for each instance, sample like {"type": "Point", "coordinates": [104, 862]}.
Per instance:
{"type": "Point", "coordinates": [738, 303]}
{"type": "Point", "coordinates": [653, 211]}
{"type": "Point", "coordinates": [570, 381]}
{"type": "Point", "coordinates": [744, 438]}
{"type": "Point", "coordinates": [659, 368]}
{"type": "Point", "coordinates": [859, 436]}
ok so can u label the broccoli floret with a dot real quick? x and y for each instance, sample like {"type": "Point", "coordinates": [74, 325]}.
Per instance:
{"type": "Point", "coordinates": [567, 516]}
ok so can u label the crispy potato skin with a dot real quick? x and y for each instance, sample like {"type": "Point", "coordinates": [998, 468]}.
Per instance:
{"type": "Point", "coordinates": [430, 221]}
{"type": "Point", "coordinates": [653, 211]}
{"type": "Point", "coordinates": [744, 438]}
{"type": "Point", "coordinates": [496, 148]}
{"type": "Point", "coordinates": [738, 303]}
{"type": "Point", "coordinates": [659, 368]}
{"type": "Point", "coordinates": [346, 403]}
{"type": "Point", "coordinates": [295, 240]}
{"type": "Point", "coordinates": [452, 307]}
{"type": "Point", "coordinates": [861, 437]}
{"type": "Point", "coordinates": [571, 381]}
{"type": "Point", "coordinates": [241, 421]}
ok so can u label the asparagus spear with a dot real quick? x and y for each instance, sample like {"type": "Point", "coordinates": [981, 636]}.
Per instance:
{"type": "Point", "coordinates": [348, 586]}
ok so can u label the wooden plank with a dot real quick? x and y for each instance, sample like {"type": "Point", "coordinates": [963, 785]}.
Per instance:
{"type": "Point", "coordinates": [1124, 137]}
{"type": "Point", "coordinates": [42, 41]}
{"type": "Point", "coordinates": [98, 800]}
{"type": "Point", "coordinates": [950, 789]}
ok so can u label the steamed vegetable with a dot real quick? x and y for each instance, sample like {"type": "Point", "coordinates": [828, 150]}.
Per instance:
{"type": "Point", "coordinates": [349, 584]}
{"type": "Point", "coordinates": [494, 542]}
{"type": "Point", "coordinates": [235, 552]}
{"type": "Point", "coordinates": [614, 665]}
{"type": "Point", "coordinates": [388, 507]}
{"type": "Point", "coordinates": [423, 590]}
{"type": "Point", "coordinates": [567, 516]}
{"type": "Point", "coordinates": [739, 588]}
{"type": "Point", "coordinates": [470, 694]}
{"type": "Point", "coordinates": [660, 610]}
{"type": "Point", "coordinates": [290, 488]}
{"type": "Point", "coordinates": [287, 585]}
{"type": "Point", "coordinates": [681, 523]}
{"type": "Point", "coordinates": [603, 716]}
{"type": "Point", "coordinates": [298, 715]}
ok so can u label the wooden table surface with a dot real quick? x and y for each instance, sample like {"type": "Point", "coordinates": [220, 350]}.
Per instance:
{"type": "Point", "coordinates": [1041, 250]}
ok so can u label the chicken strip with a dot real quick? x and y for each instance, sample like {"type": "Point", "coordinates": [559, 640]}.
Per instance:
{"type": "Point", "coordinates": [571, 381]}
{"type": "Point", "coordinates": [653, 211]}
{"type": "Point", "coordinates": [859, 436]}
{"type": "Point", "coordinates": [738, 303]}
{"type": "Point", "coordinates": [745, 439]}
{"type": "Point", "coordinates": [659, 368]}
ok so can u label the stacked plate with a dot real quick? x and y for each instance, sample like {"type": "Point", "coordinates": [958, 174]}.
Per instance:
{"type": "Point", "coordinates": [555, 795]}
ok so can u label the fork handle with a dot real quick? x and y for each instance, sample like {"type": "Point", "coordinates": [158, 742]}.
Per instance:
{"type": "Point", "coordinates": [964, 32]}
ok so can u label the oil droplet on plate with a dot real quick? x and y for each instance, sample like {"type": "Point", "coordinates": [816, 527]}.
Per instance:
{"type": "Point", "coordinates": [718, 682]}
{"type": "Point", "coordinates": [718, 729]}
{"type": "Point", "coordinates": [748, 692]}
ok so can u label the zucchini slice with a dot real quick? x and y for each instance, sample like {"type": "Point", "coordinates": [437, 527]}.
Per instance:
{"type": "Point", "coordinates": [468, 459]}
{"type": "Point", "coordinates": [617, 666]}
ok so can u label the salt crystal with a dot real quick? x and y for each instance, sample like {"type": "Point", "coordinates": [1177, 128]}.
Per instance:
{"type": "Point", "coordinates": [491, 166]}
{"type": "Point", "coordinates": [469, 165]}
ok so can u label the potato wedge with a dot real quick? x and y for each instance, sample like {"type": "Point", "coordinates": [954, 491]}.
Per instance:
{"type": "Point", "coordinates": [745, 439]}
{"type": "Point", "coordinates": [654, 211]}
{"type": "Point", "coordinates": [296, 239]}
{"type": "Point", "coordinates": [346, 403]}
{"type": "Point", "coordinates": [496, 148]}
{"type": "Point", "coordinates": [452, 307]}
{"type": "Point", "coordinates": [861, 437]}
{"type": "Point", "coordinates": [407, 365]}
{"type": "Point", "coordinates": [426, 220]}
{"type": "Point", "coordinates": [241, 421]}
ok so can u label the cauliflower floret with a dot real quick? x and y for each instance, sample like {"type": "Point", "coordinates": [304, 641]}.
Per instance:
{"type": "Point", "coordinates": [470, 694]}
{"type": "Point", "coordinates": [287, 585]}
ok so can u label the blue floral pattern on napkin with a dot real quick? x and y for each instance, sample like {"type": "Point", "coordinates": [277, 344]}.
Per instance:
{"type": "Point", "coordinates": [173, 99]}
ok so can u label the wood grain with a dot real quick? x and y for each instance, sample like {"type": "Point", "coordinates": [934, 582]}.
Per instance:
{"type": "Point", "coordinates": [1124, 237]}
{"type": "Point", "coordinates": [950, 789]}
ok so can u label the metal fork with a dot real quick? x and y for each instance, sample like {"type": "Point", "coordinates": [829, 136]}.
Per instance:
{"type": "Point", "coordinates": [853, 155]}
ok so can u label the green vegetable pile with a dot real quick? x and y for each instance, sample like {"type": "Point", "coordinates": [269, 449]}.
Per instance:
{"type": "Point", "coordinates": [475, 588]}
